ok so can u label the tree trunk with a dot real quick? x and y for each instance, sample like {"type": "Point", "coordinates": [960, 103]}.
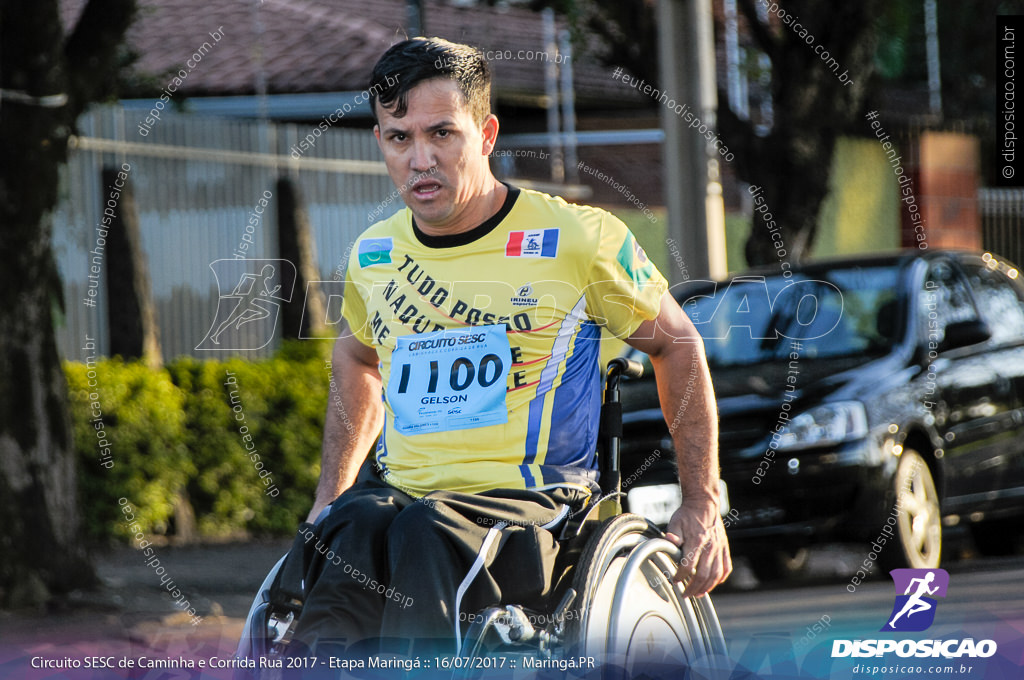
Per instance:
{"type": "Point", "coordinates": [303, 317]}
{"type": "Point", "coordinates": [46, 83]}
{"type": "Point", "coordinates": [134, 333]}
{"type": "Point", "coordinates": [814, 105]}
{"type": "Point", "coordinates": [39, 528]}
{"type": "Point", "coordinates": [792, 188]}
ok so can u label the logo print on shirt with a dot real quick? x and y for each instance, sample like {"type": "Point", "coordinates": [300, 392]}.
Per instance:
{"type": "Point", "coordinates": [535, 243]}
{"type": "Point", "coordinates": [523, 297]}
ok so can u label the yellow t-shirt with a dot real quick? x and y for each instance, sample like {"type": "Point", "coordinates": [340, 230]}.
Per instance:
{"type": "Point", "coordinates": [522, 297]}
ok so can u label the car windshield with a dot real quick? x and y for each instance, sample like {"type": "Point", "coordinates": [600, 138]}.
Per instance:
{"type": "Point", "coordinates": [840, 312]}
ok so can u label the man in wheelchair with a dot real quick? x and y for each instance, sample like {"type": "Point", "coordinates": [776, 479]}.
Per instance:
{"type": "Point", "coordinates": [471, 356]}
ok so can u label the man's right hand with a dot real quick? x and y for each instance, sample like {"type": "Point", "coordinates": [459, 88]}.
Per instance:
{"type": "Point", "coordinates": [698, 530]}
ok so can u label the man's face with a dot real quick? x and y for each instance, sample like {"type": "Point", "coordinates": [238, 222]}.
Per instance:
{"type": "Point", "coordinates": [437, 154]}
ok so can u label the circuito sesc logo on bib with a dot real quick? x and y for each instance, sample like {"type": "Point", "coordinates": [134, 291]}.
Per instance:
{"type": "Point", "coordinates": [450, 379]}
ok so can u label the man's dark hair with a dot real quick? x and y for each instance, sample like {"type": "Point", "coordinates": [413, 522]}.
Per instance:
{"type": "Point", "coordinates": [410, 62]}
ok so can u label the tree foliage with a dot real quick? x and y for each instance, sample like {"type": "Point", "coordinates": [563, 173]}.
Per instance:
{"type": "Point", "coordinates": [790, 162]}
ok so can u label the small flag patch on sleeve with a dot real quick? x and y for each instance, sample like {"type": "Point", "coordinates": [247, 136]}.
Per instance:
{"type": "Point", "coordinates": [375, 251]}
{"type": "Point", "coordinates": [634, 260]}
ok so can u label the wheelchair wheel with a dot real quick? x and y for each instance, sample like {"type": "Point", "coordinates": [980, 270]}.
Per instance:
{"type": "Point", "coordinates": [628, 612]}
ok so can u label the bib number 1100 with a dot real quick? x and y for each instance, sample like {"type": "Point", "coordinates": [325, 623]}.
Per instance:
{"type": "Point", "coordinates": [461, 374]}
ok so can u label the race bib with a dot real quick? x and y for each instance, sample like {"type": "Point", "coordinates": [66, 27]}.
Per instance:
{"type": "Point", "coordinates": [449, 380]}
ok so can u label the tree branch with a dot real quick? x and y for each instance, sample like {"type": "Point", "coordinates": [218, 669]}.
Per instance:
{"type": "Point", "coordinates": [91, 51]}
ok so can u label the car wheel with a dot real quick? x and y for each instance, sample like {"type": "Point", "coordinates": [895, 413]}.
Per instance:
{"type": "Point", "coordinates": [779, 565]}
{"type": "Point", "coordinates": [918, 518]}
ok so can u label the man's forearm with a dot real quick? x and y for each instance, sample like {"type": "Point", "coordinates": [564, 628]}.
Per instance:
{"type": "Point", "coordinates": [688, 403]}
{"type": "Point", "coordinates": [354, 418]}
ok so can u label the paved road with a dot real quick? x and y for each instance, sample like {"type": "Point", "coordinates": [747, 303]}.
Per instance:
{"type": "Point", "coordinates": [770, 628]}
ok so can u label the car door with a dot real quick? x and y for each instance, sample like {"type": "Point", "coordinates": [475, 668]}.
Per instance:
{"type": "Point", "coordinates": [960, 383]}
{"type": "Point", "coordinates": [1000, 301]}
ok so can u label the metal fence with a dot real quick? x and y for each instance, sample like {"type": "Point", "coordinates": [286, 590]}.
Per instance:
{"type": "Point", "coordinates": [1002, 222]}
{"type": "Point", "coordinates": [197, 182]}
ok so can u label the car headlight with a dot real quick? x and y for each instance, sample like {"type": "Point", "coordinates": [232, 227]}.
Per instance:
{"type": "Point", "coordinates": [823, 425]}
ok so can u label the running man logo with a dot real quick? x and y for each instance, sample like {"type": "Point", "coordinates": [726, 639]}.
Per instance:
{"type": "Point", "coordinates": [914, 609]}
{"type": "Point", "coordinates": [247, 317]}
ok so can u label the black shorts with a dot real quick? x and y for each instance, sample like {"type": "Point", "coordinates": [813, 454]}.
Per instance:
{"type": "Point", "coordinates": [384, 564]}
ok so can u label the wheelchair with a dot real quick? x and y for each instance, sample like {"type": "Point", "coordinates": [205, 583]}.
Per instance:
{"type": "Point", "coordinates": [616, 602]}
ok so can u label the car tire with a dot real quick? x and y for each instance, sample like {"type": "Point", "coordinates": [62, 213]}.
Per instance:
{"type": "Point", "coordinates": [918, 543]}
{"type": "Point", "coordinates": [779, 565]}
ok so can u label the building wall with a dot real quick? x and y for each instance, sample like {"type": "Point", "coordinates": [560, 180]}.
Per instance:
{"type": "Point", "coordinates": [861, 212]}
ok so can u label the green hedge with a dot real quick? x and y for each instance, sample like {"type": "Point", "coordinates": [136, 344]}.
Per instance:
{"type": "Point", "coordinates": [234, 444]}
{"type": "Point", "coordinates": [129, 431]}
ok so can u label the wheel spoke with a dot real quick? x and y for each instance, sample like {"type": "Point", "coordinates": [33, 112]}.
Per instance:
{"type": "Point", "coordinates": [920, 494]}
{"type": "Point", "coordinates": [918, 534]}
{"type": "Point", "coordinates": [923, 527]}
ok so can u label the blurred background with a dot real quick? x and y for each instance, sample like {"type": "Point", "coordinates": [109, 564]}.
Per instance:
{"type": "Point", "coordinates": [569, 126]}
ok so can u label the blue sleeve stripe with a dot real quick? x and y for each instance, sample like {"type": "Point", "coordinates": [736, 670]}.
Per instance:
{"type": "Point", "coordinates": [566, 332]}
{"type": "Point", "coordinates": [577, 409]}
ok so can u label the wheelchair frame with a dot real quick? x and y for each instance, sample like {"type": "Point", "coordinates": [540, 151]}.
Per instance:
{"type": "Point", "coordinates": [605, 540]}
{"type": "Point", "coordinates": [630, 546]}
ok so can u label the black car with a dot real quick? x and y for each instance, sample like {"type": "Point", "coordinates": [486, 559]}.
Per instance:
{"type": "Point", "coordinates": [873, 399]}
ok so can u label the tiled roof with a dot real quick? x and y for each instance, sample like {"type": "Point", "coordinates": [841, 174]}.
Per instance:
{"type": "Point", "coordinates": [331, 45]}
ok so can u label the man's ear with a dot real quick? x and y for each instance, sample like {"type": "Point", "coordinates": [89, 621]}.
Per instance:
{"type": "Point", "coordinates": [490, 133]}
{"type": "Point", "coordinates": [376, 133]}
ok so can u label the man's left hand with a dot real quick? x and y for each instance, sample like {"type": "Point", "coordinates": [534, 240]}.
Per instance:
{"type": "Point", "coordinates": [698, 530]}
